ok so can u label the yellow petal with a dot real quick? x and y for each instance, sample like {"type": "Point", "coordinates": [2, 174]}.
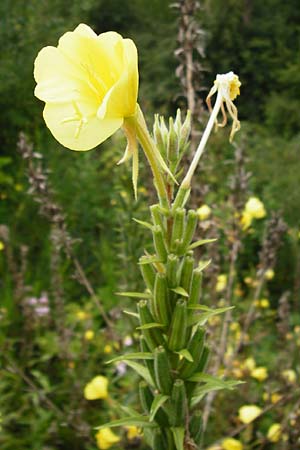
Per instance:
{"type": "Point", "coordinates": [81, 131]}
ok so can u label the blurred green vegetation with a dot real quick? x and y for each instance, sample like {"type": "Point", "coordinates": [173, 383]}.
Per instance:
{"type": "Point", "coordinates": [97, 200]}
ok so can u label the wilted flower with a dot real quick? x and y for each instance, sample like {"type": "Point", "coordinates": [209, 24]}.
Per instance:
{"type": "Point", "coordinates": [106, 438]}
{"type": "Point", "coordinates": [89, 84]}
{"type": "Point", "coordinates": [204, 212]}
{"type": "Point", "coordinates": [274, 432]}
{"type": "Point", "coordinates": [232, 444]}
{"type": "Point", "coordinates": [96, 389]}
{"type": "Point", "coordinates": [248, 413]}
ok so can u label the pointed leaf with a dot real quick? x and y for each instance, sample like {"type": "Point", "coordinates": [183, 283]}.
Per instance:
{"type": "Point", "coordinates": [130, 356]}
{"type": "Point", "coordinates": [144, 224]}
{"type": "Point", "coordinates": [134, 294]}
{"type": "Point", "coordinates": [201, 319]}
{"type": "Point", "coordinates": [178, 434]}
{"type": "Point", "coordinates": [141, 370]}
{"type": "Point", "coordinates": [131, 313]}
{"type": "Point", "coordinates": [179, 290]}
{"type": "Point", "coordinates": [135, 170]}
{"type": "Point", "coordinates": [201, 242]}
{"type": "Point", "coordinates": [203, 264]}
{"type": "Point", "coordinates": [149, 259]}
{"type": "Point", "coordinates": [186, 354]}
{"type": "Point", "coordinates": [150, 325]}
{"type": "Point", "coordinates": [158, 401]}
{"type": "Point", "coordinates": [138, 421]}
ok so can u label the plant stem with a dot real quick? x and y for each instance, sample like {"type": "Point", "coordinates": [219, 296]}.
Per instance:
{"type": "Point", "coordinates": [187, 179]}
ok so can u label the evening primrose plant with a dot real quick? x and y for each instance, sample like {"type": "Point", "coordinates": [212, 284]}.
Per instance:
{"type": "Point", "coordinates": [89, 84]}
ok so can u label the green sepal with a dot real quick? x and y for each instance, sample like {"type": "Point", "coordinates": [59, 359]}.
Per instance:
{"type": "Point", "coordinates": [178, 227]}
{"type": "Point", "coordinates": [178, 328]}
{"type": "Point", "coordinates": [162, 371]}
{"type": "Point", "coordinates": [178, 434]}
{"type": "Point", "coordinates": [180, 291]}
{"type": "Point", "coordinates": [187, 273]}
{"type": "Point", "coordinates": [186, 354]}
{"type": "Point", "coordinates": [172, 267]}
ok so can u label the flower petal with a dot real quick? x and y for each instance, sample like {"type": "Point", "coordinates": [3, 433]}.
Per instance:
{"type": "Point", "coordinates": [78, 131]}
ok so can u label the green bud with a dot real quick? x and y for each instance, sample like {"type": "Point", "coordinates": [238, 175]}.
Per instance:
{"type": "Point", "coordinates": [172, 149]}
{"type": "Point", "coordinates": [190, 228]}
{"type": "Point", "coordinates": [178, 404]}
{"type": "Point", "coordinates": [172, 267]}
{"type": "Point", "coordinates": [195, 287]}
{"type": "Point", "coordinates": [148, 274]}
{"type": "Point", "coordinates": [146, 396]}
{"type": "Point", "coordinates": [178, 329]}
{"type": "Point", "coordinates": [158, 137]}
{"type": "Point", "coordinates": [159, 243]}
{"type": "Point", "coordinates": [195, 427]}
{"type": "Point", "coordinates": [149, 363]}
{"type": "Point", "coordinates": [178, 123]}
{"type": "Point", "coordinates": [162, 371]}
{"type": "Point", "coordinates": [157, 216]}
{"type": "Point", "coordinates": [178, 226]}
{"type": "Point", "coordinates": [186, 273]}
{"type": "Point", "coordinates": [161, 304]}
{"type": "Point", "coordinates": [195, 347]}
{"type": "Point", "coordinates": [159, 441]}
{"type": "Point", "coordinates": [185, 131]}
{"type": "Point", "coordinates": [153, 336]}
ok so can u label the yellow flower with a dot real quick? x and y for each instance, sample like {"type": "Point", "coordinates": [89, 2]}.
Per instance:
{"type": "Point", "coordinates": [89, 84]}
{"type": "Point", "coordinates": [255, 208]}
{"type": "Point", "coordinates": [250, 363]}
{"type": "Point", "coordinates": [107, 349]}
{"type": "Point", "coordinates": [264, 303]}
{"type": "Point", "coordinates": [246, 220]}
{"type": "Point", "coordinates": [275, 397]}
{"type": "Point", "coordinates": [221, 282]}
{"type": "Point", "coordinates": [1, 246]}
{"type": "Point", "coordinates": [204, 212]}
{"type": "Point", "coordinates": [81, 315]}
{"type": "Point", "coordinates": [232, 444]}
{"type": "Point", "coordinates": [274, 432]}
{"type": "Point", "coordinates": [106, 438]}
{"type": "Point", "coordinates": [248, 413]}
{"type": "Point", "coordinates": [289, 375]}
{"type": "Point", "coordinates": [259, 373]}
{"type": "Point", "coordinates": [89, 335]}
{"type": "Point", "coordinates": [96, 389]}
{"type": "Point", "coordinates": [132, 432]}
{"type": "Point", "coordinates": [269, 274]}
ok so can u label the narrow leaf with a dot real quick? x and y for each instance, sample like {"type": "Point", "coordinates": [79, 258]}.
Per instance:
{"type": "Point", "coordinates": [201, 319]}
{"type": "Point", "coordinates": [158, 401]}
{"type": "Point", "coordinates": [138, 421]}
{"type": "Point", "coordinates": [141, 370]}
{"type": "Point", "coordinates": [201, 242]}
{"type": "Point", "coordinates": [186, 354]}
{"type": "Point", "coordinates": [149, 259]}
{"type": "Point", "coordinates": [144, 224]}
{"type": "Point", "coordinates": [130, 356]}
{"type": "Point", "coordinates": [134, 294]}
{"type": "Point", "coordinates": [131, 313]}
{"type": "Point", "coordinates": [203, 264]}
{"type": "Point", "coordinates": [179, 290]}
{"type": "Point", "coordinates": [150, 325]}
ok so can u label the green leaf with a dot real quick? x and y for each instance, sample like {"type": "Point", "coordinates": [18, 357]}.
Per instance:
{"type": "Point", "coordinates": [158, 401]}
{"type": "Point", "coordinates": [150, 325]}
{"type": "Point", "coordinates": [131, 313]}
{"type": "Point", "coordinates": [201, 242]}
{"type": "Point", "coordinates": [134, 294]}
{"type": "Point", "coordinates": [179, 290]}
{"type": "Point", "coordinates": [201, 319]}
{"type": "Point", "coordinates": [144, 224]}
{"type": "Point", "coordinates": [186, 354]}
{"type": "Point", "coordinates": [149, 259]}
{"type": "Point", "coordinates": [141, 370]}
{"type": "Point", "coordinates": [178, 434]}
{"type": "Point", "coordinates": [212, 384]}
{"type": "Point", "coordinates": [203, 264]}
{"type": "Point", "coordinates": [138, 421]}
{"type": "Point", "coordinates": [130, 356]}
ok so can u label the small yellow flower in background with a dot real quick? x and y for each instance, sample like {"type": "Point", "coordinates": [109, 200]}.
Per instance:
{"type": "Point", "coordinates": [248, 413]}
{"type": "Point", "coordinates": [274, 432]}
{"type": "Point", "coordinates": [71, 365]}
{"type": "Point", "coordinates": [275, 397]}
{"type": "Point", "coordinates": [246, 220]}
{"type": "Point", "coordinates": [269, 274]}
{"type": "Point", "coordinates": [89, 335]}
{"type": "Point", "coordinates": [19, 187]}
{"type": "Point", "coordinates": [232, 444]}
{"type": "Point", "coordinates": [249, 363]}
{"type": "Point", "coordinates": [234, 326]}
{"type": "Point", "coordinates": [221, 282]}
{"type": "Point", "coordinates": [259, 373]}
{"type": "Point", "coordinates": [255, 208]}
{"type": "Point", "coordinates": [132, 432]}
{"type": "Point", "coordinates": [89, 84]}
{"type": "Point", "coordinates": [81, 315]}
{"type": "Point", "coordinates": [264, 303]}
{"type": "Point", "coordinates": [289, 336]}
{"type": "Point", "coordinates": [107, 349]}
{"type": "Point", "coordinates": [96, 389]}
{"type": "Point", "coordinates": [1, 246]}
{"type": "Point", "coordinates": [297, 329]}
{"type": "Point", "coordinates": [204, 212]}
{"type": "Point", "coordinates": [289, 376]}
{"type": "Point", "coordinates": [106, 438]}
